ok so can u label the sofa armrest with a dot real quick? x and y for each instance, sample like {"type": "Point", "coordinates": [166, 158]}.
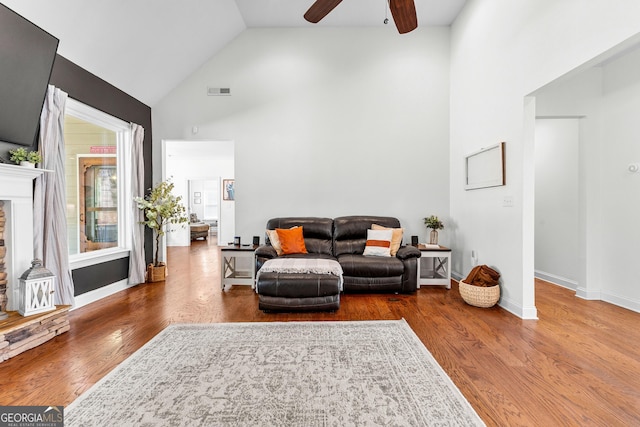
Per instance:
{"type": "Point", "coordinates": [407, 252]}
{"type": "Point", "coordinates": [409, 255]}
{"type": "Point", "coordinates": [266, 251]}
{"type": "Point", "coordinates": [263, 254]}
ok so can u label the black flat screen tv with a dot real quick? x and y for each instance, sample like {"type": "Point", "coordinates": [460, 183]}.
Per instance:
{"type": "Point", "coordinates": [27, 53]}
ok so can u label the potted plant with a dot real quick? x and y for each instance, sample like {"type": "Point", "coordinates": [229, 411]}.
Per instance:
{"type": "Point", "coordinates": [434, 224]}
{"type": "Point", "coordinates": [161, 208]}
{"type": "Point", "coordinates": [23, 157]}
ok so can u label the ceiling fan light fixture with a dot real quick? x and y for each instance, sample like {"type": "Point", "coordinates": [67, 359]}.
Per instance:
{"type": "Point", "coordinates": [403, 12]}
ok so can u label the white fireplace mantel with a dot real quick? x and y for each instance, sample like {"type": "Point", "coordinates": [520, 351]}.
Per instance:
{"type": "Point", "coordinates": [16, 190]}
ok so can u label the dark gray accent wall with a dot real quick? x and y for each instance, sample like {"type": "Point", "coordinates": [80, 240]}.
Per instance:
{"type": "Point", "coordinates": [89, 89]}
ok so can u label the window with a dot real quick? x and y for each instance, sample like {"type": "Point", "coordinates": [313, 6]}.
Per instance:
{"type": "Point", "coordinates": [96, 180]}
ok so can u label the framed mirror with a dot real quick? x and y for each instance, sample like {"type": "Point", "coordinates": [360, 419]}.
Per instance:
{"type": "Point", "coordinates": [485, 168]}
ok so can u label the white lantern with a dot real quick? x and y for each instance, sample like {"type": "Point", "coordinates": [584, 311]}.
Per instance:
{"type": "Point", "coordinates": [36, 290]}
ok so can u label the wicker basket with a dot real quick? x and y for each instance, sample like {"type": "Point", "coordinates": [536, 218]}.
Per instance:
{"type": "Point", "coordinates": [156, 274]}
{"type": "Point", "coordinates": [479, 296]}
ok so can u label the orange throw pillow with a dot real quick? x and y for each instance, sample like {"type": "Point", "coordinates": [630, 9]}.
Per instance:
{"type": "Point", "coordinates": [291, 241]}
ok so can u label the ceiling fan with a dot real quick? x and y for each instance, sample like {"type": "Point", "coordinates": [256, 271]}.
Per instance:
{"type": "Point", "coordinates": [403, 11]}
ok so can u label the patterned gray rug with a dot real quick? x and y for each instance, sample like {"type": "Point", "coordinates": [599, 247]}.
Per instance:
{"type": "Point", "coordinates": [277, 374]}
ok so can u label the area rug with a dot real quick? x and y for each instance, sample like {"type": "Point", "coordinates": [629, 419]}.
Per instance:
{"type": "Point", "coordinates": [362, 373]}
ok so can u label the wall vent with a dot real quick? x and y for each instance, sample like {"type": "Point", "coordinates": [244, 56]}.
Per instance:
{"type": "Point", "coordinates": [218, 91]}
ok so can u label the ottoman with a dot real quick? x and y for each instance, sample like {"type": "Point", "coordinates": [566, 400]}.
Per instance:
{"type": "Point", "coordinates": [299, 285]}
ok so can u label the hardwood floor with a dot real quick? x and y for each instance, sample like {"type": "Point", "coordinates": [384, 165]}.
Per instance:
{"type": "Point", "coordinates": [578, 365]}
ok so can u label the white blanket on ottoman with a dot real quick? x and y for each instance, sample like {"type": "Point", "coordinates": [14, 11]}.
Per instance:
{"type": "Point", "coordinates": [302, 265]}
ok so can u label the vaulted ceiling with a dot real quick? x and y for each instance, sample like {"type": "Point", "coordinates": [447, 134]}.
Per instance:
{"type": "Point", "coordinates": [146, 48]}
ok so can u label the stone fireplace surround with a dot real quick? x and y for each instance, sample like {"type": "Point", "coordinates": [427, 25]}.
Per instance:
{"type": "Point", "coordinates": [16, 191]}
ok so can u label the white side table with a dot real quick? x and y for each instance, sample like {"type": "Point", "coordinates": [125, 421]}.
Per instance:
{"type": "Point", "coordinates": [434, 266]}
{"type": "Point", "coordinates": [237, 266]}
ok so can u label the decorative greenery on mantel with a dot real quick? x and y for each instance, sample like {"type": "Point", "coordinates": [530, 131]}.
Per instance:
{"type": "Point", "coordinates": [23, 155]}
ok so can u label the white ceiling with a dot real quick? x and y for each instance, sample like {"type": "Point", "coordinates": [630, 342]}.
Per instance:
{"type": "Point", "coordinates": [349, 13]}
{"type": "Point", "coordinates": [147, 48]}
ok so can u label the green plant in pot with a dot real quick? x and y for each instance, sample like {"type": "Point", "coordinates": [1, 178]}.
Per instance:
{"type": "Point", "coordinates": [434, 224]}
{"type": "Point", "coordinates": [161, 209]}
{"type": "Point", "coordinates": [21, 156]}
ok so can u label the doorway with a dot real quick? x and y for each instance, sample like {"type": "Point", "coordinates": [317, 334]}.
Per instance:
{"type": "Point", "coordinates": [194, 161]}
{"type": "Point", "coordinates": [557, 208]}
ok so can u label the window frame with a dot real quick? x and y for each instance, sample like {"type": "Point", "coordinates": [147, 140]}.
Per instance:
{"type": "Point", "coordinates": [122, 129]}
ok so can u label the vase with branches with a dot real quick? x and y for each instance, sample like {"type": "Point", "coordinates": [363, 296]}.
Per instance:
{"type": "Point", "coordinates": [161, 209]}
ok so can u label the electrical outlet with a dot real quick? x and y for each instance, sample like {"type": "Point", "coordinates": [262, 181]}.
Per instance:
{"type": "Point", "coordinates": [474, 258]}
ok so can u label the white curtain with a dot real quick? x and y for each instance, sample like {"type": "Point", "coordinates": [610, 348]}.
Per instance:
{"type": "Point", "coordinates": [136, 260]}
{"type": "Point", "coordinates": [50, 200]}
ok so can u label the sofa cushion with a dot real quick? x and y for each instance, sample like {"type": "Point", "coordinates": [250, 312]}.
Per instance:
{"type": "Point", "coordinates": [291, 240]}
{"type": "Point", "coordinates": [364, 266]}
{"type": "Point", "coordinates": [317, 232]}
{"type": "Point", "coordinates": [378, 243]}
{"type": "Point", "coordinates": [350, 232]}
{"type": "Point", "coordinates": [309, 255]}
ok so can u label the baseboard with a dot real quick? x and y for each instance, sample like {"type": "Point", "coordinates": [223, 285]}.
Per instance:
{"type": "Point", "coordinates": [526, 313]}
{"type": "Point", "coordinates": [556, 280]}
{"type": "Point", "coordinates": [588, 295]}
{"type": "Point", "coordinates": [532, 312]}
{"type": "Point", "coordinates": [98, 294]}
{"type": "Point", "coordinates": [623, 302]}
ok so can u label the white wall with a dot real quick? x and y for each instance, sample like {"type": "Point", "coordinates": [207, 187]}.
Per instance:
{"type": "Point", "coordinates": [557, 209]}
{"type": "Point", "coordinates": [620, 227]}
{"type": "Point", "coordinates": [502, 51]}
{"type": "Point", "coordinates": [205, 197]}
{"type": "Point", "coordinates": [326, 122]}
{"type": "Point", "coordinates": [196, 188]}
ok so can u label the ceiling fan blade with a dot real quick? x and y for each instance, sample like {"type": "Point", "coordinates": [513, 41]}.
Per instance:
{"type": "Point", "coordinates": [404, 15]}
{"type": "Point", "coordinates": [320, 9]}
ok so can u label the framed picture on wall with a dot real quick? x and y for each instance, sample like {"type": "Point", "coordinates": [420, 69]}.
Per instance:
{"type": "Point", "coordinates": [228, 189]}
